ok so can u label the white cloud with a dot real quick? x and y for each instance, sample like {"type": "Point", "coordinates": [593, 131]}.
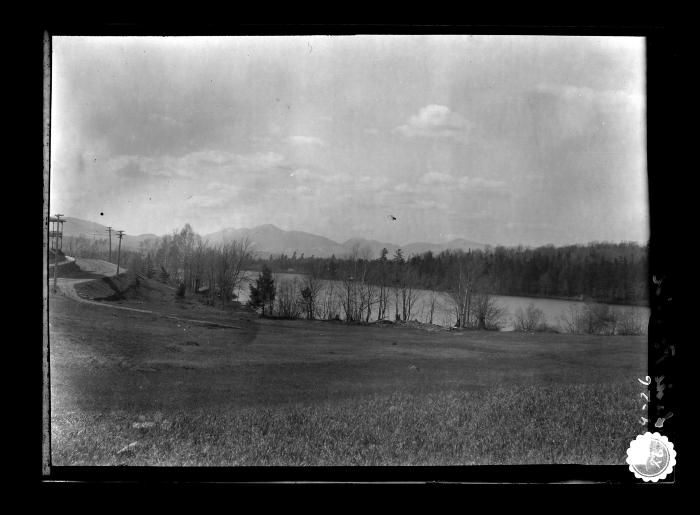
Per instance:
{"type": "Point", "coordinates": [371, 130]}
{"type": "Point", "coordinates": [306, 140]}
{"type": "Point", "coordinates": [436, 121]}
{"type": "Point", "coordinates": [436, 178]}
{"type": "Point", "coordinates": [479, 184]}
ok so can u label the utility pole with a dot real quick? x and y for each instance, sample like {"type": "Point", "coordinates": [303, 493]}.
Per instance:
{"type": "Point", "coordinates": [60, 232]}
{"type": "Point", "coordinates": [56, 234]}
{"type": "Point", "coordinates": [119, 235]}
{"type": "Point", "coordinates": [109, 230]}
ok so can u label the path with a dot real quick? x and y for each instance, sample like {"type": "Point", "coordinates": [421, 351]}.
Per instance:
{"type": "Point", "coordinates": [66, 288]}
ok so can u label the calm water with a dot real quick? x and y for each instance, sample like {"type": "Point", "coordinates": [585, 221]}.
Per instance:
{"type": "Point", "coordinates": [553, 309]}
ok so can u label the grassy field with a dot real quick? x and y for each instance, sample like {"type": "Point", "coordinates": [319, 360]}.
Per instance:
{"type": "Point", "coordinates": [142, 389]}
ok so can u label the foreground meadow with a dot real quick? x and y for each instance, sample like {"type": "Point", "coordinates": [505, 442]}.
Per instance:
{"type": "Point", "coordinates": [131, 388]}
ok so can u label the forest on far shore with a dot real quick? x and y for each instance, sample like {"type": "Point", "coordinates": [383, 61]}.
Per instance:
{"type": "Point", "coordinates": [613, 273]}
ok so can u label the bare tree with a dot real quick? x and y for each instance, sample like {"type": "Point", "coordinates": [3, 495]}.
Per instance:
{"type": "Point", "coordinates": [287, 298]}
{"type": "Point", "coordinates": [310, 291]}
{"type": "Point", "coordinates": [348, 299]}
{"type": "Point", "coordinates": [487, 312]}
{"type": "Point", "coordinates": [409, 294]}
{"type": "Point", "coordinates": [230, 260]}
{"type": "Point", "coordinates": [462, 290]}
{"type": "Point", "coordinates": [330, 301]}
{"type": "Point", "coordinates": [432, 304]}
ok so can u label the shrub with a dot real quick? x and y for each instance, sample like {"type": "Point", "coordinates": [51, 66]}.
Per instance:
{"type": "Point", "coordinates": [629, 322]}
{"type": "Point", "coordinates": [529, 319]}
{"type": "Point", "coordinates": [593, 318]}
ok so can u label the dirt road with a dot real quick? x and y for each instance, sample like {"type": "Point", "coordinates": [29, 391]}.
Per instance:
{"type": "Point", "coordinates": [98, 267]}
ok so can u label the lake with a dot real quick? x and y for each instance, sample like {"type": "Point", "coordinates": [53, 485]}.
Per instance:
{"type": "Point", "coordinates": [553, 309]}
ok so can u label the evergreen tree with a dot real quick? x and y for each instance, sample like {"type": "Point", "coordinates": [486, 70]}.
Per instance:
{"type": "Point", "coordinates": [262, 293]}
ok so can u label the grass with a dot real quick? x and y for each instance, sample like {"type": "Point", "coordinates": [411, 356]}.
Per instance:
{"type": "Point", "coordinates": [531, 425]}
{"type": "Point", "coordinates": [322, 393]}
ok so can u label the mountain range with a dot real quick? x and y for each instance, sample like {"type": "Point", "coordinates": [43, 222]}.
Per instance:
{"type": "Point", "coordinates": [77, 227]}
{"type": "Point", "coordinates": [269, 239]}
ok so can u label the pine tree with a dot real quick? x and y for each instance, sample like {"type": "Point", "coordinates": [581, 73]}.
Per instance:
{"type": "Point", "coordinates": [262, 293]}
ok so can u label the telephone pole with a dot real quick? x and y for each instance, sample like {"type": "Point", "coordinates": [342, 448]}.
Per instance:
{"type": "Point", "coordinates": [109, 230]}
{"type": "Point", "coordinates": [119, 235]}
{"type": "Point", "coordinates": [56, 234]}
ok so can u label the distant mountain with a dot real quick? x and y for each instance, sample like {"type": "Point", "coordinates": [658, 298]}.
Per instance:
{"type": "Point", "coordinates": [268, 239]}
{"type": "Point", "coordinates": [76, 227]}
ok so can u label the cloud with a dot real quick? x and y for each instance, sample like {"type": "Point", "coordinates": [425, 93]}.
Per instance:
{"type": "Point", "coordinates": [436, 121]}
{"type": "Point", "coordinates": [200, 163]}
{"type": "Point", "coordinates": [437, 178]}
{"type": "Point", "coordinates": [585, 94]}
{"type": "Point", "coordinates": [302, 190]}
{"type": "Point", "coordinates": [307, 140]}
{"type": "Point", "coordinates": [371, 130]}
{"type": "Point", "coordinates": [302, 173]}
{"type": "Point", "coordinates": [480, 184]}
{"type": "Point", "coordinates": [205, 201]}
{"type": "Point", "coordinates": [581, 113]}
{"type": "Point", "coordinates": [405, 188]}
{"type": "Point", "coordinates": [164, 120]}
{"type": "Point", "coordinates": [321, 176]}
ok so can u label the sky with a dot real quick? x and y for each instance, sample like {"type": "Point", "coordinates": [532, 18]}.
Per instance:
{"type": "Point", "coordinates": [503, 140]}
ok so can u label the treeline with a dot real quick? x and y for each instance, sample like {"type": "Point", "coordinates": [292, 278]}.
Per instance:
{"type": "Point", "coordinates": [614, 273]}
{"type": "Point", "coordinates": [181, 259]}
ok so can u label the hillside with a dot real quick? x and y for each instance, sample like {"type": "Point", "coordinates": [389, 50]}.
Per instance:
{"type": "Point", "coordinates": [75, 227]}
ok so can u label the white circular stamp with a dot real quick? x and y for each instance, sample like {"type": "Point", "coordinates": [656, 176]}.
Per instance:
{"type": "Point", "coordinates": [651, 457]}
